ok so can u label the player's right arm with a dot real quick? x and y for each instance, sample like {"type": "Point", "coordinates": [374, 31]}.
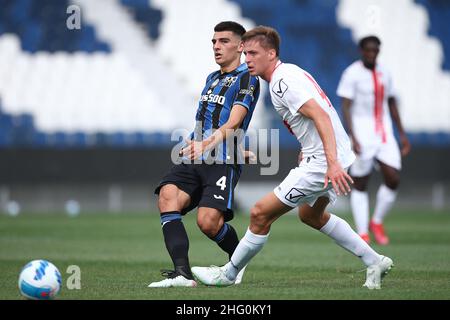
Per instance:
{"type": "Point", "coordinates": [298, 99]}
{"type": "Point", "coordinates": [335, 173]}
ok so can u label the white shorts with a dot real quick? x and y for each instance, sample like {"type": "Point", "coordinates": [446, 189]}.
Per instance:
{"type": "Point", "coordinates": [304, 184]}
{"type": "Point", "coordinates": [388, 153]}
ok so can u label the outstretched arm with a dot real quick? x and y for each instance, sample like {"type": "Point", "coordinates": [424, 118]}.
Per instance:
{"type": "Point", "coordinates": [195, 149]}
{"type": "Point", "coordinates": [405, 146]}
{"type": "Point", "coordinates": [335, 173]}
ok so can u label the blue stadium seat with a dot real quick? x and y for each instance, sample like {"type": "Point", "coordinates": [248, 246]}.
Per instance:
{"type": "Point", "coordinates": [40, 140]}
{"type": "Point", "coordinates": [437, 139]}
{"type": "Point", "coordinates": [439, 13]}
{"type": "Point", "coordinates": [159, 139]}
{"type": "Point", "coordinates": [77, 139]}
{"type": "Point", "coordinates": [141, 139]}
{"type": "Point", "coordinates": [101, 139]}
{"type": "Point", "coordinates": [136, 3]}
{"type": "Point", "coordinates": [117, 139]}
{"type": "Point", "coordinates": [57, 140]}
{"type": "Point", "coordinates": [309, 32]}
{"type": "Point", "coordinates": [310, 35]}
{"type": "Point", "coordinates": [144, 14]}
{"type": "Point", "coordinates": [41, 26]}
{"type": "Point", "coordinates": [32, 36]}
{"type": "Point", "coordinates": [6, 130]}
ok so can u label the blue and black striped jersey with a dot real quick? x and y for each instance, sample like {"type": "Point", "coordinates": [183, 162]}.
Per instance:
{"type": "Point", "coordinates": [221, 92]}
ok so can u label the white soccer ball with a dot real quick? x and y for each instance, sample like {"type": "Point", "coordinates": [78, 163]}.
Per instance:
{"type": "Point", "coordinates": [40, 280]}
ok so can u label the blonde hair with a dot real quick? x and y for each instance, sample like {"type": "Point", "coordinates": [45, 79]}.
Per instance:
{"type": "Point", "coordinates": [268, 37]}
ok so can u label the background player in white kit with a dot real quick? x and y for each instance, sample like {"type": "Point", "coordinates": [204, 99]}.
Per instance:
{"type": "Point", "coordinates": [368, 104]}
{"type": "Point", "coordinates": [320, 176]}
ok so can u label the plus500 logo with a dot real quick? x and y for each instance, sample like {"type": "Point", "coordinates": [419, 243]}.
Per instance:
{"type": "Point", "coordinates": [214, 98]}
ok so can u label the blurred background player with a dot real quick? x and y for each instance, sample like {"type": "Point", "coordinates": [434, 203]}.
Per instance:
{"type": "Point", "coordinates": [369, 106]}
{"type": "Point", "coordinates": [226, 103]}
{"type": "Point", "coordinates": [320, 176]}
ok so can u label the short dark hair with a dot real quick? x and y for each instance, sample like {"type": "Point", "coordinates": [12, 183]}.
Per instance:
{"type": "Point", "coordinates": [232, 26]}
{"type": "Point", "coordinates": [268, 37]}
{"type": "Point", "coordinates": [365, 40]}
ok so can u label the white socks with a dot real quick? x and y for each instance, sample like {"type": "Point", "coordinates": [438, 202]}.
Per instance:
{"type": "Point", "coordinates": [247, 248]}
{"type": "Point", "coordinates": [336, 228]}
{"type": "Point", "coordinates": [341, 232]}
{"type": "Point", "coordinates": [359, 201]}
{"type": "Point", "coordinates": [385, 200]}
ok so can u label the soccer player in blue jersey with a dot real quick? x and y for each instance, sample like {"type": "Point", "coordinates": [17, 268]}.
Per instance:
{"type": "Point", "coordinates": [226, 106]}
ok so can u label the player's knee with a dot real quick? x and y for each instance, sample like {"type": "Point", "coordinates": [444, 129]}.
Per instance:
{"type": "Point", "coordinates": [257, 216]}
{"type": "Point", "coordinates": [305, 216]}
{"type": "Point", "coordinates": [164, 203]}
{"type": "Point", "coordinates": [312, 216]}
{"type": "Point", "coordinates": [209, 227]}
{"type": "Point", "coordinates": [360, 184]}
{"type": "Point", "coordinates": [210, 223]}
{"type": "Point", "coordinates": [167, 199]}
{"type": "Point", "coordinates": [302, 216]}
{"type": "Point", "coordinates": [393, 182]}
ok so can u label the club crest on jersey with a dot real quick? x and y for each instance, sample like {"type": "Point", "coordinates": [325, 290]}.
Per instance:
{"type": "Point", "coordinates": [228, 81]}
{"type": "Point", "coordinates": [279, 88]}
{"type": "Point", "coordinates": [215, 83]}
{"type": "Point", "coordinates": [294, 195]}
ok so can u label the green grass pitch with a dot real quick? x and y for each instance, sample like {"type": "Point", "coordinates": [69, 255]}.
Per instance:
{"type": "Point", "coordinates": [119, 255]}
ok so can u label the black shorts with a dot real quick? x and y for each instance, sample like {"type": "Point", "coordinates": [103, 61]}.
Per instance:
{"type": "Point", "coordinates": [209, 185]}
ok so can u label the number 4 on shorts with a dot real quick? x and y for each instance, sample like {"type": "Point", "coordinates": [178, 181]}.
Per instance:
{"type": "Point", "coordinates": [222, 183]}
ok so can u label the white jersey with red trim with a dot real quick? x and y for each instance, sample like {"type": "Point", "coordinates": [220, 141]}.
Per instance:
{"type": "Point", "coordinates": [290, 88]}
{"type": "Point", "coordinates": [369, 90]}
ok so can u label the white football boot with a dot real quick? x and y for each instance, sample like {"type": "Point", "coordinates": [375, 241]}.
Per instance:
{"type": "Point", "coordinates": [376, 273]}
{"type": "Point", "coordinates": [173, 280]}
{"type": "Point", "coordinates": [212, 276]}
{"type": "Point", "coordinates": [239, 276]}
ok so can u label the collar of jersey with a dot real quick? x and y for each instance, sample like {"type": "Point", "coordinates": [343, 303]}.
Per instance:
{"type": "Point", "coordinates": [241, 68]}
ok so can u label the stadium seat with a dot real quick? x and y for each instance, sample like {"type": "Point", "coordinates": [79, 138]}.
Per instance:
{"type": "Point", "coordinates": [146, 15]}
{"type": "Point", "coordinates": [310, 33]}
{"type": "Point", "coordinates": [104, 80]}
{"type": "Point", "coordinates": [423, 88]}
{"type": "Point", "coordinates": [439, 12]}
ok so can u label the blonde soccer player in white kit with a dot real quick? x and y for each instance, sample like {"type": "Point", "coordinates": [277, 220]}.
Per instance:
{"type": "Point", "coordinates": [318, 179]}
{"type": "Point", "coordinates": [369, 106]}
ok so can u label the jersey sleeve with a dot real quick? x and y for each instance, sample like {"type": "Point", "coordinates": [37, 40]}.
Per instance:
{"type": "Point", "coordinates": [247, 91]}
{"type": "Point", "coordinates": [290, 92]}
{"type": "Point", "coordinates": [347, 85]}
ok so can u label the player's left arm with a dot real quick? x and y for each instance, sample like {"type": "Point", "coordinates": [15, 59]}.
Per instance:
{"type": "Point", "coordinates": [195, 149]}
{"type": "Point", "coordinates": [247, 93]}
{"type": "Point", "coordinates": [335, 173]}
{"type": "Point", "coordinates": [393, 109]}
{"type": "Point", "coordinates": [246, 97]}
{"type": "Point", "coordinates": [237, 115]}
